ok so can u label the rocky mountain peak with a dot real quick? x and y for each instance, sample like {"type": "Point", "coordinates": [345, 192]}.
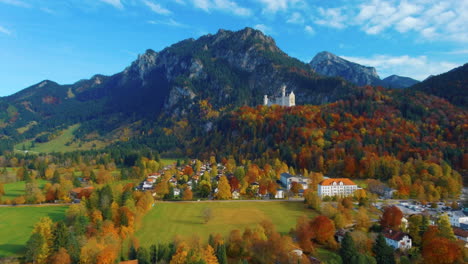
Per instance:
{"type": "Point", "coordinates": [329, 64]}
{"type": "Point", "coordinates": [143, 63]}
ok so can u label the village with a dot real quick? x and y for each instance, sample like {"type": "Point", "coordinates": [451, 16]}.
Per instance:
{"type": "Point", "coordinates": [292, 187]}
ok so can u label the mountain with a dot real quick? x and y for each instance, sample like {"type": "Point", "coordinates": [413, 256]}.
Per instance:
{"type": "Point", "coordinates": [398, 82]}
{"type": "Point", "coordinates": [452, 85]}
{"type": "Point", "coordinates": [228, 70]}
{"type": "Point", "coordinates": [329, 64]}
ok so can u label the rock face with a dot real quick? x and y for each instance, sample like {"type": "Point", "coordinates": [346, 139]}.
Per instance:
{"type": "Point", "coordinates": [398, 82]}
{"type": "Point", "coordinates": [228, 69]}
{"type": "Point", "coordinates": [328, 64]}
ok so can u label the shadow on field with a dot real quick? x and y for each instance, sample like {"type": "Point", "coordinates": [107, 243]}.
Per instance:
{"type": "Point", "coordinates": [12, 249]}
{"type": "Point", "coordinates": [188, 222]}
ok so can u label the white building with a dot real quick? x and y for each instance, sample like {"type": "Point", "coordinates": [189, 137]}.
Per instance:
{"type": "Point", "coordinates": [397, 239]}
{"type": "Point", "coordinates": [457, 218]}
{"type": "Point", "coordinates": [287, 180]}
{"type": "Point", "coordinates": [279, 194]}
{"type": "Point", "coordinates": [284, 100]}
{"type": "Point", "coordinates": [336, 187]}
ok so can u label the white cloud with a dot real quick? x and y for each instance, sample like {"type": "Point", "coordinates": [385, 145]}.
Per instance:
{"type": "Point", "coordinates": [296, 18]}
{"type": "Point", "coordinates": [171, 22]}
{"type": "Point", "coordinates": [222, 5]}
{"type": "Point", "coordinates": [415, 67]}
{"type": "Point", "coordinates": [332, 17]}
{"type": "Point", "coordinates": [114, 3]}
{"type": "Point", "coordinates": [309, 30]}
{"type": "Point", "coordinates": [15, 3]}
{"type": "Point", "coordinates": [5, 31]}
{"type": "Point", "coordinates": [273, 6]}
{"type": "Point", "coordinates": [264, 28]}
{"type": "Point", "coordinates": [157, 8]}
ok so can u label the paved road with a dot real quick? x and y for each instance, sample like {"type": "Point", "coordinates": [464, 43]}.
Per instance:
{"type": "Point", "coordinates": [237, 201]}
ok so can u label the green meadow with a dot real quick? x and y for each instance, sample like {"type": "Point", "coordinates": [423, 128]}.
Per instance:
{"type": "Point", "coordinates": [16, 225]}
{"type": "Point", "coordinates": [168, 220]}
{"type": "Point", "coordinates": [15, 189]}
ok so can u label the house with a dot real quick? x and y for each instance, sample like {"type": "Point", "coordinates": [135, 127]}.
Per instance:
{"type": "Point", "coordinates": [461, 234]}
{"type": "Point", "coordinates": [340, 233]}
{"type": "Point", "coordinates": [176, 192]}
{"type": "Point", "coordinates": [397, 239]}
{"type": "Point", "coordinates": [457, 218]}
{"type": "Point", "coordinates": [235, 195]}
{"type": "Point", "coordinates": [80, 192]}
{"type": "Point", "coordinates": [287, 180]}
{"type": "Point", "coordinates": [336, 187]}
{"type": "Point", "coordinates": [279, 194]}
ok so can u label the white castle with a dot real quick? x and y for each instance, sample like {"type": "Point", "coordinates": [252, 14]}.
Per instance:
{"type": "Point", "coordinates": [284, 100]}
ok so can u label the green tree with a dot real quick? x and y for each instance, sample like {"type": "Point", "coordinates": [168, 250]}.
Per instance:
{"type": "Point", "coordinates": [60, 236]}
{"type": "Point", "coordinates": [221, 254]}
{"type": "Point", "coordinates": [383, 252]}
{"type": "Point", "coordinates": [56, 177]}
{"type": "Point", "coordinates": [445, 228]}
{"type": "Point", "coordinates": [36, 249]}
{"type": "Point", "coordinates": [143, 256]}
{"type": "Point", "coordinates": [153, 254]}
{"type": "Point", "coordinates": [348, 249]}
{"type": "Point", "coordinates": [414, 228]}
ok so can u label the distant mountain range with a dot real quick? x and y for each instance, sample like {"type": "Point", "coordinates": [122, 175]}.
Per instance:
{"type": "Point", "coordinates": [329, 64]}
{"type": "Point", "coordinates": [226, 70]}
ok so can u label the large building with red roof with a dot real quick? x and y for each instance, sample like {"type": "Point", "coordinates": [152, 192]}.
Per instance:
{"type": "Point", "coordinates": [336, 187]}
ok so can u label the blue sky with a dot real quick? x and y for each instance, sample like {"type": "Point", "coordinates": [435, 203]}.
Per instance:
{"type": "Point", "coordinates": [69, 40]}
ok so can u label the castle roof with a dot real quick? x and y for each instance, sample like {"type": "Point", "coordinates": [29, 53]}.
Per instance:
{"type": "Point", "coordinates": [345, 181]}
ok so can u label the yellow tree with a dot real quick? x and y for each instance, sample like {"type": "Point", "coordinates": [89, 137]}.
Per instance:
{"type": "Point", "coordinates": [209, 255]}
{"type": "Point", "coordinates": [224, 189]}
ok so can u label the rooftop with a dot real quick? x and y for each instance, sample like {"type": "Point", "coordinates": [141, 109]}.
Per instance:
{"type": "Point", "coordinates": [393, 234]}
{"type": "Point", "coordinates": [330, 181]}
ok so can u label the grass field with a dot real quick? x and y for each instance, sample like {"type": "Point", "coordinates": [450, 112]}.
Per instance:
{"type": "Point", "coordinates": [59, 144]}
{"type": "Point", "coordinates": [166, 220]}
{"type": "Point", "coordinates": [16, 224]}
{"type": "Point", "coordinates": [15, 189]}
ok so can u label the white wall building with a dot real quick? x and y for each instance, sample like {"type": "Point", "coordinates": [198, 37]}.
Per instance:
{"type": "Point", "coordinates": [397, 239]}
{"type": "Point", "coordinates": [457, 218]}
{"type": "Point", "coordinates": [336, 187]}
{"type": "Point", "coordinates": [287, 180]}
{"type": "Point", "coordinates": [284, 100]}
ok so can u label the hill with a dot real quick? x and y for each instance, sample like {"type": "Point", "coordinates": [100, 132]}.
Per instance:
{"type": "Point", "coordinates": [398, 82]}
{"type": "Point", "coordinates": [452, 85]}
{"type": "Point", "coordinates": [229, 69]}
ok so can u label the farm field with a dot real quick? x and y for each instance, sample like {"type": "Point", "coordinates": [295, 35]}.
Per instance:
{"type": "Point", "coordinates": [15, 189]}
{"type": "Point", "coordinates": [16, 225]}
{"type": "Point", "coordinates": [167, 220]}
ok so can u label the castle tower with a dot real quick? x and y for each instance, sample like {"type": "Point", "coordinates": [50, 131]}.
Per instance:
{"type": "Point", "coordinates": [292, 99]}
{"type": "Point", "coordinates": [265, 100]}
{"type": "Point", "coordinates": [283, 96]}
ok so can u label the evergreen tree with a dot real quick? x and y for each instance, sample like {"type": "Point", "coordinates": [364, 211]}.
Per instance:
{"type": "Point", "coordinates": [132, 253]}
{"type": "Point", "coordinates": [414, 228]}
{"type": "Point", "coordinates": [154, 254]}
{"type": "Point", "coordinates": [92, 176]}
{"type": "Point", "coordinates": [221, 254]}
{"type": "Point", "coordinates": [383, 252]}
{"type": "Point", "coordinates": [60, 235]}
{"type": "Point", "coordinates": [36, 249]}
{"type": "Point", "coordinates": [143, 256]}
{"type": "Point", "coordinates": [348, 249]}
{"type": "Point", "coordinates": [76, 182]}
{"type": "Point", "coordinates": [73, 247]}
{"type": "Point", "coordinates": [26, 175]}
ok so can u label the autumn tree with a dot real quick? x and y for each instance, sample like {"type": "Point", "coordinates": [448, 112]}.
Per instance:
{"type": "Point", "coordinates": [304, 234]}
{"type": "Point", "coordinates": [209, 255]}
{"type": "Point", "coordinates": [414, 228]}
{"type": "Point", "coordinates": [37, 251]}
{"type": "Point", "coordinates": [441, 250]}
{"type": "Point", "coordinates": [296, 187]}
{"type": "Point", "coordinates": [61, 257]}
{"type": "Point", "coordinates": [224, 189]}
{"type": "Point", "coordinates": [363, 222]}
{"type": "Point", "coordinates": [188, 195]}
{"type": "Point", "coordinates": [323, 231]}
{"type": "Point", "coordinates": [207, 214]}
{"type": "Point", "coordinates": [312, 199]}
{"type": "Point", "coordinates": [445, 227]}
{"type": "Point", "coordinates": [391, 217]}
